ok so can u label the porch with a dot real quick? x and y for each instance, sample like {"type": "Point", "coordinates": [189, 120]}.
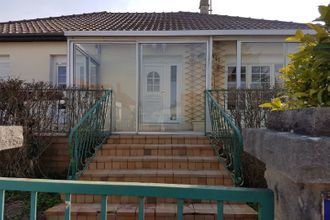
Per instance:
{"type": "Point", "coordinates": [158, 84]}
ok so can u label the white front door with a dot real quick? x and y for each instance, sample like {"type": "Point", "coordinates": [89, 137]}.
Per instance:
{"type": "Point", "coordinates": [160, 93]}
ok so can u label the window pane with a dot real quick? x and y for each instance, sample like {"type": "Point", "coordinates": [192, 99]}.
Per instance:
{"type": "Point", "coordinates": [265, 69]}
{"type": "Point", "coordinates": [256, 69]}
{"type": "Point", "coordinates": [157, 81]}
{"type": "Point", "coordinates": [255, 77]}
{"type": "Point", "coordinates": [181, 71]}
{"type": "Point", "coordinates": [61, 75]}
{"type": "Point", "coordinates": [156, 88]}
{"type": "Point", "coordinates": [265, 78]}
{"type": "Point", "coordinates": [243, 77]}
{"type": "Point", "coordinates": [243, 69]}
{"type": "Point", "coordinates": [231, 69]}
{"type": "Point", "coordinates": [232, 77]}
{"type": "Point", "coordinates": [112, 66]}
{"type": "Point", "coordinates": [173, 98]}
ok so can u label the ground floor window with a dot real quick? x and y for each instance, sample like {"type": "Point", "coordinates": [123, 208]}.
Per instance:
{"type": "Point", "coordinates": [58, 75]}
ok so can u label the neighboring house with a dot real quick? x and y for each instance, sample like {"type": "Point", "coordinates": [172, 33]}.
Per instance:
{"type": "Point", "coordinates": [157, 64]}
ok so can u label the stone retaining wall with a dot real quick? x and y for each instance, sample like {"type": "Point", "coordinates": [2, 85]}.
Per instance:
{"type": "Point", "coordinates": [297, 165]}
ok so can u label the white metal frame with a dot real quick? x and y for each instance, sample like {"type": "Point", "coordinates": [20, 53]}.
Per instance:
{"type": "Point", "coordinates": [138, 43]}
{"type": "Point", "coordinates": [239, 54]}
{"type": "Point", "coordinates": [139, 58]}
{"type": "Point", "coordinates": [207, 33]}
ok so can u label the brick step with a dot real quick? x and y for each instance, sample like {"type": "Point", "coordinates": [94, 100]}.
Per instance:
{"type": "Point", "coordinates": [196, 177]}
{"type": "Point", "coordinates": [200, 177]}
{"type": "Point", "coordinates": [156, 162]}
{"type": "Point", "coordinates": [156, 150]}
{"type": "Point", "coordinates": [85, 198]}
{"type": "Point", "coordinates": [194, 211]}
{"type": "Point", "coordinates": [155, 139]}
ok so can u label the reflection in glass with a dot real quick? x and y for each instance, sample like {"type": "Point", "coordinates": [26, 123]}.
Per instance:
{"type": "Point", "coordinates": [110, 66]}
{"type": "Point", "coordinates": [174, 101]}
{"type": "Point", "coordinates": [263, 62]}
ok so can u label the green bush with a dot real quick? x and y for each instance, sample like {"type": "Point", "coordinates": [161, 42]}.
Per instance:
{"type": "Point", "coordinates": [307, 77]}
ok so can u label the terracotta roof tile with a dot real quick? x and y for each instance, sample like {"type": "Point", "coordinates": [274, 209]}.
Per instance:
{"type": "Point", "coordinates": [171, 21]}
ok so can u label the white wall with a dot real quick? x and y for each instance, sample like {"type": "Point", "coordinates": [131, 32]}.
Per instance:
{"type": "Point", "coordinates": [31, 60]}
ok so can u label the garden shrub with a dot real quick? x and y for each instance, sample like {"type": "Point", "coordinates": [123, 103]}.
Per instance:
{"type": "Point", "coordinates": [307, 77]}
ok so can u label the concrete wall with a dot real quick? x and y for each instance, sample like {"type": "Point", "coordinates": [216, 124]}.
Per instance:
{"type": "Point", "coordinates": [31, 60]}
{"type": "Point", "coordinates": [297, 165]}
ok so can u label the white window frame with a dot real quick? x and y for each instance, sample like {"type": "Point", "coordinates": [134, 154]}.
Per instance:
{"type": "Point", "coordinates": [57, 74]}
{"type": "Point", "coordinates": [248, 73]}
{"type": "Point", "coordinates": [271, 74]}
{"type": "Point", "coordinates": [58, 61]}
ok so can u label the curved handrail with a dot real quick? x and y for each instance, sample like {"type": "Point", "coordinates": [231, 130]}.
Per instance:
{"type": "Point", "coordinates": [226, 138]}
{"type": "Point", "coordinates": [89, 134]}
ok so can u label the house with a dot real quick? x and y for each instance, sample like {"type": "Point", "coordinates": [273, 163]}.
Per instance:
{"type": "Point", "coordinates": [158, 66]}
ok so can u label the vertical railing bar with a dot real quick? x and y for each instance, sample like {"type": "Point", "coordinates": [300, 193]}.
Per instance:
{"type": "Point", "coordinates": [33, 205]}
{"type": "Point", "coordinates": [141, 208]}
{"type": "Point", "coordinates": [266, 208]}
{"type": "Point", "coordinates": [67, 213]}
{"type": "Point", "coordinates": [180, 209]}
{"type": "Point", "coordinates": [2, 204]}
{"type": "Point", "coordinates": [220, 210]}
{"type": "Point", "coordinates": [104, 207]}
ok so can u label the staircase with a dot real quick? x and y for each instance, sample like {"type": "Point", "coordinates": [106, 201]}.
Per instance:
{"type": "Point", "coordinates": [154, 159]}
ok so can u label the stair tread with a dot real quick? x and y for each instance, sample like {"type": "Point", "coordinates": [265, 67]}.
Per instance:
{"type": "Point", "coordinates": [158, 136]}
{"type": "Point", "coordinates": [158, 145]}
{"type": "Point", "coordinates": [230, 209]}
{"type": "Point", "coordinates": [149, 157]}
{"type": "Point", "coordinates": [155, 172]}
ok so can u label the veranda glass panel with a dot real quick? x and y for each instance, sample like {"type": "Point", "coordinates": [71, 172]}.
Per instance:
{"type": "Point", "coordinates": [172, 84]}
{"type": "Point", "coordinates": [224, 65]}
{"type": "Point", "coordinates": [110, 66]}
{"type": "Point", "coordinates": [262, 63]}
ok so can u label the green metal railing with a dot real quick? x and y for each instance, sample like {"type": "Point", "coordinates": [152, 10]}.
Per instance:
{"type": "Point", "coordinates": [89, 134]}
{"type": "Point", "coordinates": [263, 197]}
{"type": "Point", "coordinates": [226, 138]}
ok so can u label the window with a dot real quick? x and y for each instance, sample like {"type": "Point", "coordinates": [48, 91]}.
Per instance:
{"type": "Point", "coordinates": [153, 82]}
{"type": "Point", "coordinates": [61, 76]}
{"type": "Point", "coordinates": [173, 92]}
{"type": "Point", "coordinates": [260, 77]}
{"type": "Point", "coordinates": [58, 75]}
{"type": "Point", "coordinates": [232, 77]}
{"type": "Point", "coordinates": [4, 67]}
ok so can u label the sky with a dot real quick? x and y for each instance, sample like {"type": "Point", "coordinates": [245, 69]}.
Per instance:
{"type": "Point", "coordinates": [302, 11]}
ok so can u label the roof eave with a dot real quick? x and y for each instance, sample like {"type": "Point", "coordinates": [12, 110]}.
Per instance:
{"type": "Point", "coordinates": [27, 37]}
{"type": "Point", "coordinates": [251, 32]}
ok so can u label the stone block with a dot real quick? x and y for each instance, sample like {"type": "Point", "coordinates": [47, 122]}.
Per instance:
{"type": "Point", "coordinates": [11, 137]}
{"type": "Point", "coordinates": [297, 170]}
